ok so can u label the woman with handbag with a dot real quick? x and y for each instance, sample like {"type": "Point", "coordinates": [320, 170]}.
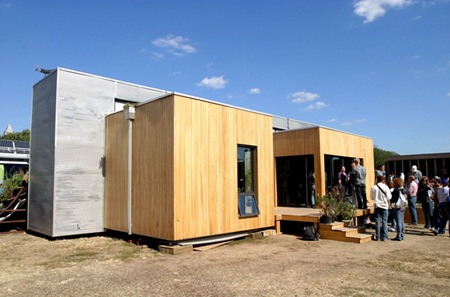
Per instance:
{"type": "Point", "coordinates": [398, 203]}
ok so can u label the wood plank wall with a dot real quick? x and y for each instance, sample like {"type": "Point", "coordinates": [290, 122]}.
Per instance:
{"type": "Point", "coordinates": [206, 195]}
{"type": "Point", "coordinates": [322, 141]}
{"type": "Point", "coordinates": [116, 170]}
{"type": "Point", "coordinates": [153, 169]}
{"type": "Point", "coordinates": [185, 169]}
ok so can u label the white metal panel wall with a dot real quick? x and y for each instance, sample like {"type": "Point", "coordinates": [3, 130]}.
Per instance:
{"type": "Point", "coordinates": [40, 204]}
{"type": "Point", "coordinates": [83, 101]}
{"type": "Point", "coordinates": [136, 93]}
{"type": "Point", "coordinates": [67, 147]}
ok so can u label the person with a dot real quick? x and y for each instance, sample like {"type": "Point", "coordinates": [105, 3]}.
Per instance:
{"type": "Point", "coordinates": [412, 198]}
{"type": "Point", "coordinates": [443, 174]}
{"type": "Point", "coordinates": [417, 173]}
{"type": "Point", "coordinates": [424, 197]}
{"type": "Point", "coordinates": [359, 182]}
{"type": "Point", "coordinates": [442, 194]}
{"type": "Point", "coordinates": [381, 195]}
{"type": "Point", "coordinates": [398, 211]}
{"type": "Point", "coordinates": [343, 181]}
{"type": "Point", "coordinates": [379, 171]}
{"type": "Point", "coordinates": [435, 182]}
{"type": "Point", "coordinates": [391, 177]}
{"type": "Point", "coordinates": [312, 187]}
{"type": "Point", "coordinates": [391, 217]}
{"type": "Point", "coordinates": [401, 175]}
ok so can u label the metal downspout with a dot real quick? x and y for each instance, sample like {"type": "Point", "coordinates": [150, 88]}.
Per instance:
{"type": "Point", "coordinates": [130, 167]}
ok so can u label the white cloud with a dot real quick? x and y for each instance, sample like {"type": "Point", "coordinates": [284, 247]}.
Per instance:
{"type": "Point", "coordinates": [143, 50]}
{"type": "Point", "coordinates": [254, 91]}
{"type": "Point", "coordinates": [215, 82]}
{"type": "Point", "coordinates": [158, 55]}
{"type": "Point", "coordinates": [448, 94]}
{"type": "Point", "coordinates": [316, 105]}
{"type": "Point", "coordinates": [177, 45]}
{"type": "Point", "coordinates": [301, 97]}
{"type": "Point", "coordinates": [373, 9]}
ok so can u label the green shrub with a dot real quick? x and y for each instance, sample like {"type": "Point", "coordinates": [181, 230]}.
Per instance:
{"type": "Point", "coordinates": [9, 184]}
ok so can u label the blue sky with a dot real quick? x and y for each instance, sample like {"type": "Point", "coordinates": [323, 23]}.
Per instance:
{"type": "Point", "coordinates": [377, 68]}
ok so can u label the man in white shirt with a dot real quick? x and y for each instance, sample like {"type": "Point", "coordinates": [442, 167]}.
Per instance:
{"type": "Point", "coordinates": [381, 195]}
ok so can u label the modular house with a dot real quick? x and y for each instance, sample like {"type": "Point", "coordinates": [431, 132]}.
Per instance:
{"type": "Point", "coordinates": [171, 166]}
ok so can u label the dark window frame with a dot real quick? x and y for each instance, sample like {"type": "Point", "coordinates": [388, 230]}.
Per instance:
{"type": "Point", "coordinates": [247, 182]}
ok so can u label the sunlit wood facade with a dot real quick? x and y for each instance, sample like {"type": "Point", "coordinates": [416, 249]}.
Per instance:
{"type": "Point", "coordinates": [184, 169]}
{"type": "Point", "coordinates": [320, 142]}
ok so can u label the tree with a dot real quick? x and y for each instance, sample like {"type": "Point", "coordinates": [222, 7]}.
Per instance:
{"type": "Point", "coordinates": [21, 136]}
{"type": "Point", "coordinates": [380, 155]}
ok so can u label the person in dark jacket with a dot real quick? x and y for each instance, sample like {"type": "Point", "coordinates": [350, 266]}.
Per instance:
{"type": "Point", "coordinates": [424, 196]}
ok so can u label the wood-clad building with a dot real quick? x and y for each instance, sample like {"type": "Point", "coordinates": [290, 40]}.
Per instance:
{"type": "Point", "coordinates": [320, 151]}
{"type": "Point", "coordinates": [185, 169]}
{"type": "Point", "coordinates": [182, 168]}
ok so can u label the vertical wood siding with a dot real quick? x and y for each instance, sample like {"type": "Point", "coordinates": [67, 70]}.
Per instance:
{"type": "Point", "coordinates": [206, 195]}
{"type": "Point", "coordinates": [153, 169]}
{"type": "Point", "coordinates": [116, 170]}
{"type": "Point", "coordinates": [323, 141]}
{"type": "Point", "coordinates": [185, 169]}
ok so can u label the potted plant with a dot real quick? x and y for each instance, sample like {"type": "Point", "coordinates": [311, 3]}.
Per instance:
{"type": "Point", "coordinates": [346, 211]}
{"type": "Point", "coordinates": [328, 204]}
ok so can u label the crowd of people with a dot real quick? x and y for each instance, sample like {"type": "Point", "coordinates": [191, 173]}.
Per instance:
{"type": "Point", "coordinates": [391, 196]}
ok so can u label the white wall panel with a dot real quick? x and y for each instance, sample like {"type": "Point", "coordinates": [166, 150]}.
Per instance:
{"type": "Point", "coordinates": [69, 147]}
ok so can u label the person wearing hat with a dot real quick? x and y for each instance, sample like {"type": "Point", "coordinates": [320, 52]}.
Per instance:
{"type": "Point", "coordinates": [417, 173]}
{"type": "Point", "coordinates": [359, 181]}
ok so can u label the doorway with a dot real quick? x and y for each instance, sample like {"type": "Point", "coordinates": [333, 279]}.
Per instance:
{"type": "Point", "coordinates": [294, 182]}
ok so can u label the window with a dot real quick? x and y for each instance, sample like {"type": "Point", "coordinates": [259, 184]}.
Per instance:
{"type": "Point", "coordinates": [247, 204]}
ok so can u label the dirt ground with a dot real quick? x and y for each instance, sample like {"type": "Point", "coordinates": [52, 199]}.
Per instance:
{"type": "Point", "coordinates": [279, 265]}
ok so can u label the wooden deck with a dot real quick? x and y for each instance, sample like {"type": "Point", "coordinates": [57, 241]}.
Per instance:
{"type": "Point", "coordinates": [330, 231]}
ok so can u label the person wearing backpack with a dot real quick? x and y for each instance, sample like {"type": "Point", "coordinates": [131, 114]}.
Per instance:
{"type": "Point", "coordinates": [398, 202]}
{"type": "Point", "coordinates": [380, 194]}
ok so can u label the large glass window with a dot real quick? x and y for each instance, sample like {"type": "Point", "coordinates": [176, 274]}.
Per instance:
{"type": "Point", "coordinates": [246, 166]}
{"type": "Point", "coordinates": [247, 204]}
{"type": "Point", "coordinates": [295, 181]}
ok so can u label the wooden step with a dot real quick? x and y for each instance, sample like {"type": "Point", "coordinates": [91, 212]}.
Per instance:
{"type": "Point", "coordinates": [331, 226]}
{"type": "Point", "coordinates": [337, 231]}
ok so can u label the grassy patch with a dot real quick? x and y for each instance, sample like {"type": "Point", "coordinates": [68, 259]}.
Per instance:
{"type": "Point", "coordinates": [410, 261]}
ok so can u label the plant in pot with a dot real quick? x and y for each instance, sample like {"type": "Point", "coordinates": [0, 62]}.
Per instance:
{"type": "Point", "coordinates": [328, 203]}
{"type": "Point", "coordinates": [346, 211]}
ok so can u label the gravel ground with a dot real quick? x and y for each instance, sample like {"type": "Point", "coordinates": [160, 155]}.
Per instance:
{"type": "Point", "coordinates": [279, 265]}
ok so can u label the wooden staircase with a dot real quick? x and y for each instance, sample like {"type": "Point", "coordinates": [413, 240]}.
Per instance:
{"type": "Point", "coordinates": [337, 231]}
